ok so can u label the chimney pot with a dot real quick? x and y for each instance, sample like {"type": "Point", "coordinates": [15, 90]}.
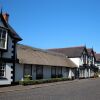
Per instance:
{"type": "Point", "coordinates": [6, 17]}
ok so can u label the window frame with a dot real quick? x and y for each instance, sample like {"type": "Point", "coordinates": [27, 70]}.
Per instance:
{"type": "Point", "coordinates": [4, 70]}
{"type": "Point", "coordinates": [3, 39]}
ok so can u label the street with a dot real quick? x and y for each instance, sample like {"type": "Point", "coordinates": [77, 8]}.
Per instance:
{"type": "Point", "coordinates": [86, 89]}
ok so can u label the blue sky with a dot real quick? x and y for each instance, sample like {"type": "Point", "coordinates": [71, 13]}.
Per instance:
{"type": "Point", "coordinates": [55, 23]}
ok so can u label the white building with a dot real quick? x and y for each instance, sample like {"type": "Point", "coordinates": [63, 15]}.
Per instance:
{"type": "Point", "coordinates": [84, 59]}
{"type": "Point", "coordinates": [97, 63]}
{"type": "Point", "coordinates": [8, 41]}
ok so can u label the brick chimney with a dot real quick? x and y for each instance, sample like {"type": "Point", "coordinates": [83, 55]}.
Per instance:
{"type": "Point", "coordinates": [6, 17]}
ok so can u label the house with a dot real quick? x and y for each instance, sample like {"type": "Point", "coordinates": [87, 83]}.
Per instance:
{"type": "Point", "coordinates": [92, 61]}
{"type": "Point", "coordinates": [18, 60]}
{"type": "Point", "coordinates": [41, 64]}
{"type": "Point", "coordinates": [8, 41]}
{"type": "Point", "coordinates": [97, 62]}
{"type": "Point", "coordinates": [84, 58]}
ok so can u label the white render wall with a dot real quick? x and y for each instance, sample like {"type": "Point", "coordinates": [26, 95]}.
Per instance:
{"type": "Point", "coordinates": [77, 61]}
{"type": "Point", "coordinates": [19, 72]}
{"type": "Point", "coordinates": [65, 73]}
{"type": "Point", "coordinates": [97, 64]}
{"type": "Point", "coordinates": [86, 73]}
{"type": "Point", "coordinates": [46, 72]}
{"type": "Point", "coordinates": [8, 75]}
{"type": "Point", "coordinates": [33, 72]}
{"type": "Point", "coordinates": [91, 73]}
{"type": "Point", "coordinates": [71, 73]}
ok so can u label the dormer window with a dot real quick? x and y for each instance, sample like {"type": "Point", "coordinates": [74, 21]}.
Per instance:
{"type": "Point", "coordinates": [3, 39]}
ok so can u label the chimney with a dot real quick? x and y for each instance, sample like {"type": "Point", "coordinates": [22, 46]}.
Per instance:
{"type": "Point", "coordinates": [6, 17]}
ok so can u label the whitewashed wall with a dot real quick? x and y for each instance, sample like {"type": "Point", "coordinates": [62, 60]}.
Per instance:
{"type": "Point", "coordinates": [97, 64]}
{"type": "Point", "coordinates": [33, 72]}
{"type": "Point", "coordinates": [8, 75]}
{"type": "Point", "coordinates": [46, 72]}
{"type": "Point", "coordinates": [65, 73]}
{"type": "Point", "coordinates": [77, 61]}
{"type": "Point", "coordinates": [73, 72]}
{"type": "Point", "coordinates": [91, 73]}
{"type": "Point", "coordinates": [19, 72]}
{"type": "Point", "coordinates": [86, 73]}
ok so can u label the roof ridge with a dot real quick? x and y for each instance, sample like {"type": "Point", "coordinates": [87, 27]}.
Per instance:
{"type": "Point", "coordinates": [66, 47]}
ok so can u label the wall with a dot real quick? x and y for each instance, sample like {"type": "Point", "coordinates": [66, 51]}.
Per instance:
{"type": "Point", "coordinates": [46, 72]}
{"type": "Point", "coordinates": [33, 72]}
{"type": "Point", "coordinates": [77, 61]}
{"type": "Point", "coordinates": [97, 64]}
{"type": "Point", "coordinates": [65, 72]}
{"type": "Point", "coordinates": [19, 72]}
{"type": "Point", "coordinates": [9, 54]}
{"type": "Point", "coordinates": [91, 73]}
{"type": "Point", "coordinates": [8, 75]}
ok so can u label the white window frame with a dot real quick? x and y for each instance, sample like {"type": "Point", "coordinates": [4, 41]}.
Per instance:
{"type": "Point", "coordinates": [4, 39]}
{"type": "Point", "coordinates": [4, 74]}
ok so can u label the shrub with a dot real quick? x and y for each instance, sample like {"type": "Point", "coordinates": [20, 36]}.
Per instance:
{"type": "Point", "coordinates": [96, 75]}
{"type": "Point", "coordinates": [33, 82]}
{"type": "Point", "coordinates": [27, 77]}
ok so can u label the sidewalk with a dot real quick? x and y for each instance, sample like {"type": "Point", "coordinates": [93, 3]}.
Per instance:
{"type": "Point", "coordinates": [20, 87]}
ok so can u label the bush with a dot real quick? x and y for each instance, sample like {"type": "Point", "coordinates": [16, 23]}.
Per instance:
{"type": "Point", "coordinates": [33, 82]}
{"type": "Point", "coordinates": [96, 75]}
{"type": "Point", "coordinates": [27, 77]}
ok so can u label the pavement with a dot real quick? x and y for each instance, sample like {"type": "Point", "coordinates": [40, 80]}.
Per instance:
{"type": "Point", "coordinates": [85, 89]}
{"type": "Point", "coordinates": [21, 87]}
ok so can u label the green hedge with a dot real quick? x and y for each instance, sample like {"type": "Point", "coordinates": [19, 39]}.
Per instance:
{"type": "Point", "coordinates": [27, 77]}
{"type": "Point", "coordinates": [33, 82]}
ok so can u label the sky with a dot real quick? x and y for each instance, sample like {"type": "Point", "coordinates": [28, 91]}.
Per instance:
{"type": "Point", "coordinates": [55, 23]}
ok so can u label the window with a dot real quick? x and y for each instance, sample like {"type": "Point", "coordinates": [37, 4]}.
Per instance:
{"type": "Point", "coordinates": [84, 58]}
{"type": "Point", "coordinates": [27, 69]}
{"type": "Point", "coordinates": [2, 70]}
{"type": "Point", "coordinates": [59, 72]}
{"type": "Point", "coordinates": [53, 72]}
{"type": "Point", "coordinates": [92, 60]}
{"type": "Point", "coordinates": [39, 72]}
{"type": "Point", "coordinates": [3, 39]}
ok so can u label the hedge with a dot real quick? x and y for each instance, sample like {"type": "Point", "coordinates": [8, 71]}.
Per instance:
{"type": "Point", "coordinates": [33, 82]}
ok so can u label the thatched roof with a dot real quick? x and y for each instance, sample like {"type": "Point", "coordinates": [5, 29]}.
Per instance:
{"type": "Point", "coordinates": [29, 55]}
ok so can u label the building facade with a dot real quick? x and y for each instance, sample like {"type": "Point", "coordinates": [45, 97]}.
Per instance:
{"type": "Point", "coordinates": [84, 59]}
{"type": "Point", "coordinates": [8, 41]}
{"type": "Point", "coordinates": [97, 63]}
